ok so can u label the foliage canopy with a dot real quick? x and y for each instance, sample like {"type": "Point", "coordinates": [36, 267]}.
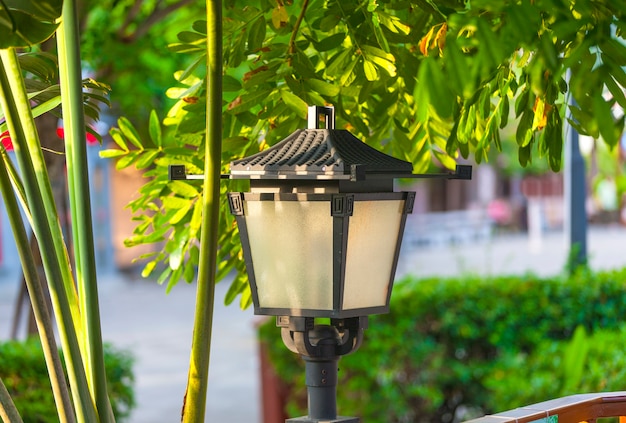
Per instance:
{"type": "Point", "coordinates": [429, 82]}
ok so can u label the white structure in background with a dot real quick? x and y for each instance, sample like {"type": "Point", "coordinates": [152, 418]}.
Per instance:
{"type": "Point", "coordinates": [99, 178]}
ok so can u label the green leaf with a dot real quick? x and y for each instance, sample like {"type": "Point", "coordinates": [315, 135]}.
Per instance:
{"type": "Point", "coordinates": [196, 220]}
{"type": "Point", "coordinates": [590, 126]}
{"type": "Point", "coordinates": [615, 50]}
{"type": "Point", "coordinates": [456, 65]}
{"type": "Point", "coordinates": [524, 133]}
{"type": "Point", "coordinates": [521, 102]}
{"type": "Point", "coordinates": [174, 203]}
{"type": "Point", "coordinates": [155, 129]}
{"type": "Point", "coordinates": [378, 33]}
{"type": "Point", "coordinates": [256, 34]}
{"type": "Point", "coordinates": [177, 250]}
{"type": "Point", "coordinates": [295, 103]}
{"type": "Point", "coordinates": [504, 111]}
{"type": "Point", "coordinates": [129, 131]}
{"type": "Point", "coordinates": [43, 65]}
{"type": "Point", "coordinates": [127, 160]}
{"type": "Point", "coordinates": [604, 115]}
{"type": "Point", "coordinates": [190, 37]}
{"type": "Point", "coordinates": [246, 297]}
{"type": "Point", "coordinates": [447, 161]}
{"type": "Point", "coordinates": [247, 101]}
{"type": "Point", "coordinates": [442, 99]}
{"type": "Point", "coordinates": [189, 272]}
{"type": "Point", "coordinates": [381, 58]}
{"type": "Point", "coordinates": [322, 87]}
{"type": "Point", "coordinates": [330, 43]}
{"type": "Point", "coordinates": [146, 158]}
{"type": "Point", "coordinates": [348, 76]}
{"type": "Point", "coordinates": [393, 23]}
{"type": "Point", "coordinates": [616, 91]}
{"type": "Point", "coordinates": [574, 359]}
{"type": "Point", "coordinates": [236, 287]}
{"type": "Point", "coordinates": [524, 155]}
{"type": "Point", "coordinates": [25, 23]}
{"type": "Point", "coordinates": [329, 22]}
{"type": "Point", "coordinates": [174, 279]}
{"type": "Point", "coordinates": [234, 144]}
{"type": "Point", "coordinates": [183, 189]}
{"type": "Point", "coordinates": [163, 276]}
{"type": "Point", "coordinates": [619, 74]}
{"type": "Point", "coordinates": [148, 269]}
{"type": "Point", "coordinates": [112, 153]}
{"type": "Point", "coordinates": [376, 52]}
{"type": "Point", "coordinates": [371, 73]}
{"type": "Point", "coordinates": [45, 10]}
{"type": "Point", "coordinates": [180, 214]}
{"type": "Point", "coordinates": [338, 62]}
{"type": "Point", "coordinates": [230, 84]}
{"type": "Point", "coordinates": [431, 79]}
{"type": "Point", "coordinates": [46, 106]}
{"type": "Point", "coordinates": [554, 139]}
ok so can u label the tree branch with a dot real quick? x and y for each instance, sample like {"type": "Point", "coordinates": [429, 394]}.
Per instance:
{"type": "Point", "coordinates": [130, 16]}
{"type": "Point", "coordinates": [296, 27]}
{"type": "Point", "coordinates": [156, 16]}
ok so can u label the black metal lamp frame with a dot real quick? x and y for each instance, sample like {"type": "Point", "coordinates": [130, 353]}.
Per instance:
{"type": "Point", "coordinates": [340, 208]}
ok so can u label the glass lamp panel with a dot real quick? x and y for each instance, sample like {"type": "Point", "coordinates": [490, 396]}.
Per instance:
{"type": "Point", "coordinates": [372, 240]}
{"type": "Point", "coordinates": [291, 247]}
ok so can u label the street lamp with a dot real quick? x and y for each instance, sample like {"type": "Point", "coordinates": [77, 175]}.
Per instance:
{"type": "Point", "coordinates": [321, 229]}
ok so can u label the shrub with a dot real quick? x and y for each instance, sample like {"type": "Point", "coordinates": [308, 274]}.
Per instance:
{"type": "Point", "coordinates": [23, 371]}
{"type": "Point", "coordinates": [429, 358]}
{"type": "Point", "coordinates": [586, 363]}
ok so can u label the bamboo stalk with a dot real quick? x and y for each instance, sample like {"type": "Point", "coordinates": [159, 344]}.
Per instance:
{"type": "Point", "coordinates": [37, 297]}
{"type": "Point", "coordinates": [194, 408]}
{"type": "Point", "coordinates": [46, 226]}
{"type": "Point", "coordinates": [80, 205]}
{"type": "Point", "coordinates": [8, 412]}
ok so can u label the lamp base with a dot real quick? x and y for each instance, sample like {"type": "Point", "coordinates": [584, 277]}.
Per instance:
{"type": "Point", "coordinates": [339, 419]}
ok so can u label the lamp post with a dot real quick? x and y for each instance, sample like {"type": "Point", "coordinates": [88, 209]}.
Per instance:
{"type": "Point", "coordinates": [321, 229]}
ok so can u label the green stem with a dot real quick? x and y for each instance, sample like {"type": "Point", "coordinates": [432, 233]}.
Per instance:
{"type": "Point", "coordinates": [8, 412]}
{"type": "Point", "coordinates": [37, 297]}
{"type": "Point", "coordinates": [195, 398]}
{"type": "Point", "coordinates": [46, 226]}
{"type": "Point", "coordinates": [80, 206]}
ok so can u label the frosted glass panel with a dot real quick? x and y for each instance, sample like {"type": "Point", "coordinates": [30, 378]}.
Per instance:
{"type": "Point", "coordinates": [372, 237]}
{"type": "Point", "coordinates": [293, 253]}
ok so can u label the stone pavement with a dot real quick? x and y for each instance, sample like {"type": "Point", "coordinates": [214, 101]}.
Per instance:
{"type": "Point", "coordinates": [156, 328]}
{"type": "Point", "coordinates": [513, 254]}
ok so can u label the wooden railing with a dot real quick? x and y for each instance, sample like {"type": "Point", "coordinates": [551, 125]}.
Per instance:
{"type": "Point", "coordinates": [572, 409]}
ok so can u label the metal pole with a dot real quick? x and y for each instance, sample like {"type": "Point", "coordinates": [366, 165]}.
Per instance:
{"type": "Point", "coordinates": [321, 383]}
{"type": "Point", "coordinates": [321, 378]}
{"type": "Point", "coordinates": [575, 198]}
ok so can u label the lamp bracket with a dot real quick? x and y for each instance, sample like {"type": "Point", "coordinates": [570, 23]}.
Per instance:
{"type": "Point", "coordinates": [302, 336]}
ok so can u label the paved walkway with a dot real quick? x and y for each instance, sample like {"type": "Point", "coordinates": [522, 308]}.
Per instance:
{"type": "Point", "coordinates": [156, 327]}
{"type": "Point", "coordinates": [514, 254]}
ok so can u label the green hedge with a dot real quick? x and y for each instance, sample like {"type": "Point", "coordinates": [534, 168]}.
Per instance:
{"type": "Point", "coordinates": [587, 363]}
{"type": "Point", "coordinates": [23, 371]}
{"type": "Point", "coordinates": [434, 357]}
